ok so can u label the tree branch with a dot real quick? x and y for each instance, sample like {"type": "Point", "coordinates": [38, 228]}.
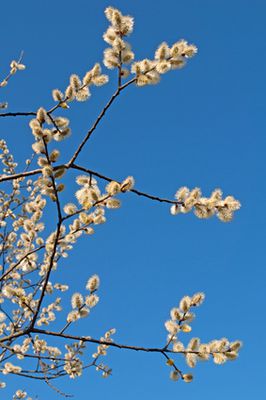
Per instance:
{"type": "Point", "coordinates": [138, 192]}
{"type": "Point", "coordinates": [98, 119]}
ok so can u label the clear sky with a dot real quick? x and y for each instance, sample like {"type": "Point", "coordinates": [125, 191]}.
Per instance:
{"type": "Point", "coordinates": [201, 126]}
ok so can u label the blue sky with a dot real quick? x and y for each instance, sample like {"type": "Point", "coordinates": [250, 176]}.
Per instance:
{"type": "Point", "coordinates": [201, 126]}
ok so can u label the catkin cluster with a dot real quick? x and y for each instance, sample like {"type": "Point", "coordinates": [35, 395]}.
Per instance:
{"type": "Point", "coordinates": [14, 67]}
{"type": "Point", "coordinates": [220, 350]}
{"type": "Point", "coordinates": [81, 306]}
{"type": "Point", "coordinates": [146, 71]}
{"type": "Point", "coordinates": [166, 58]}
{"type": "Point", "coordinates": [79, 89]}
{"type": "Point", "coordinates": [120, 52]}
{"type": "Point", "coordinates": [205, 207]}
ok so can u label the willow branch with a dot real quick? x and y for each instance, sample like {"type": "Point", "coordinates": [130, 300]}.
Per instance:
{"type": "Point", "coordinates": [89, 171]}
{"type": "Point", "coordinates": [138, 192]}
{"type": "Point", "coordinates": [98, 119]}
{"type": "Point", "coordinates": [97, 341]}
{"type": "Point", "coordinates": [59, 223]}
{"type": "Point", "coordinates": [18, 114]}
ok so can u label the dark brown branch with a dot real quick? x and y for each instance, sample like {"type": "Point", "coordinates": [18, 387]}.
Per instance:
{"type": "Point", "coordinates": [89, 171]}
{"type": "Point", "coordinates": [59, 223]}
{"type": "Point", "coordinates": [138, 192]}
{"type": "Point", "coordinates": [98, 119]}
{"type": "Point", "coordinates": [97, 341]}
{"type": "Point", "coordinates": [117, 345]}
{"type": "Point", "coordinates": [17, 114]}
{"type": "Point", "coordinates": [4, 178]}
